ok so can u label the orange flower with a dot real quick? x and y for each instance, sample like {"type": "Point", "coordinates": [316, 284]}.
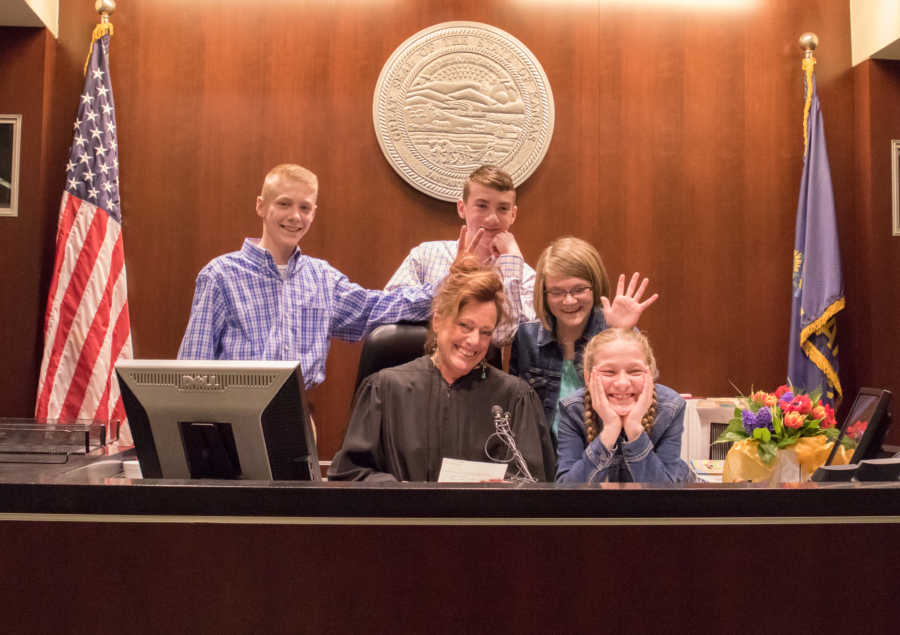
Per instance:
{"type": "Point", "coordinates": [818, 412]}
{"type": "Point", "coordinates": [759, 396]}
{"type": "Point", "coordinates": [794, 420]}
{"type": "Point", "coordinates": [770, 400]}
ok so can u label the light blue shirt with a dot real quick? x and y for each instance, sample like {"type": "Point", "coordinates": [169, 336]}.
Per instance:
{"type": "Point", "coordinates": [430, 262]}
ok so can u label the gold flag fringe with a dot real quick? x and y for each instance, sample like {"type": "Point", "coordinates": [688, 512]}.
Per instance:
{"type": "Point", "coordinates": [104, 28]}
{"type": "Point", "coordinates": [809, 64]}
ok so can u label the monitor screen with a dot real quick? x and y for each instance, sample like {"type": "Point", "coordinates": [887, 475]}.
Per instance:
{"type": "Point", "coordinates": [219, 419]}
{"type": "Point", "coordinates": [866, 422]}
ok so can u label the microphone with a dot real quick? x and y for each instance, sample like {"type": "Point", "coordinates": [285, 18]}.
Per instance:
{"type": "Point", "coordinates": [503, 431]}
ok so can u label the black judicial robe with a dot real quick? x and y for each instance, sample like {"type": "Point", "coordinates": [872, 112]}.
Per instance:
{"type": "Point", "coordinates": [406, 419]}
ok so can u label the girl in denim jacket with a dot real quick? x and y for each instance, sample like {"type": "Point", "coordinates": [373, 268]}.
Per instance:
{"type": "Point", "coordinates": [570, 300]}
{"type": "Point", "coordinates": [623, 427]}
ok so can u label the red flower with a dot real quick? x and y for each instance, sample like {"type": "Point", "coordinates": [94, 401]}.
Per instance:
{"type": "Point", "coordinates": [781, 390]}
{"type": "Point", "coordinates": [794, 420]}
{"type": "Point", "coordinates": [857, 430]}
{"type": "Point", "coordinates": [800, 403]}
{"type": "Point", "coordinates": [829, 417]}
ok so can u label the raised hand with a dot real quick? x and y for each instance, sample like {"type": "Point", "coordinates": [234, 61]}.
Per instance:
{"type": "Point", "coordinates": [465, 247]}
{"type": "Point", "coordinates": [626, 308]}
{"type": "Point", "coordinates": [612, 423]}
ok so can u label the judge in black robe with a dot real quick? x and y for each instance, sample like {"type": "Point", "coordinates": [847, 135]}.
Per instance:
{"type": "Point", "coordinates": [407, 419]}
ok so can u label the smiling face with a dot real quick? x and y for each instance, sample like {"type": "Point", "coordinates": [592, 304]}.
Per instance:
{"type": "Point", "coordinates": [287, 208]}
{"type": "Point", "coordinates": [570, 300]}
{"type": "Point", "coordinates": [488, 208]}
{"type": "Point", "coordinates": [463, 340]}
{"type": "Point", "coordinates": [623, 369]}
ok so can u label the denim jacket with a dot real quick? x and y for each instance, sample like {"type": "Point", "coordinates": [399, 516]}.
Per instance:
{"type": "Point", "coordinates": [537, 358]}
{"type": "Point", "coordinates": [653, 457]}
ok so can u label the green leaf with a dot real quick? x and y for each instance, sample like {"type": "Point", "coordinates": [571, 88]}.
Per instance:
{"type": "Point", "coordinates": [788, 441]}
{"type": "Point", "coordinates": [728, 436]}
{"type": "Point", "coordinates": [762, 434]}
{"type": "Point", "coordinates": [767, 451]}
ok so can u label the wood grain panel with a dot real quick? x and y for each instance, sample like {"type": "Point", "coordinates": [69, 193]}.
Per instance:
{"type": "Point", "coordinates": [870, 328]}
{"type": "Point", "coordinates": [22, 60]}
{"type": "Point", "coordinates": [204, 578]}
{"type": "Point", "coordinates": [677, 151]}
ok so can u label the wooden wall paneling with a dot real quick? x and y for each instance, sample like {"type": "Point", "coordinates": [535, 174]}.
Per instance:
{"type": "Point", "coordinates": [868, 328]}
{"type": "Point", "coordinates": [212, 578]}
{"type": "Point", "coordinates": [23, 56]}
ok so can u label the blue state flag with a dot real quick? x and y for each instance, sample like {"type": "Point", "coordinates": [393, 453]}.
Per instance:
{"type": "Point", "coordinates": [818, 288]}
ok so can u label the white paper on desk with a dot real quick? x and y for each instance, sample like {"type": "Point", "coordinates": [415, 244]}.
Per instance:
{"type": "Point", "coordinates": [459, 471]}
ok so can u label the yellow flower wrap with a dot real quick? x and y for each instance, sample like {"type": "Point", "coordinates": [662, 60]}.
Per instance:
{"type": "Point", "coordinates": [742, 463]}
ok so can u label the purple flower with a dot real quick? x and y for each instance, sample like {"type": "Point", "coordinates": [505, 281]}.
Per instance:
{"type": "Point", "coordinates": [787, 397]}
{"type": "Point", "coordinates": [762, 418]}
{"type": "Point", "coordinates": [749, 421]}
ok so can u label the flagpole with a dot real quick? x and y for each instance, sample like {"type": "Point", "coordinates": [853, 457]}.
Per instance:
{"type": "Point", "coordinates": [809, 42]}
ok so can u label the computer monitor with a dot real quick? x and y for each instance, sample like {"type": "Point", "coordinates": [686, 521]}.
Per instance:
{"type": "Point", "coordinates": [219, 419]}
{"type": "Point", "coordinates": [866, 422]}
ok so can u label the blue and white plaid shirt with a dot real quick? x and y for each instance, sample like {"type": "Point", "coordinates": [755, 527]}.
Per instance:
{"type": "Point", "coordinates": [244, 309]}
{"type": "Point", "coordinates": [430, 262]}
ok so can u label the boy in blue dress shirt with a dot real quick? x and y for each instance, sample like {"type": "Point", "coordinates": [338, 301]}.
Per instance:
{"type": "Point", "coordinates": [270, 301]}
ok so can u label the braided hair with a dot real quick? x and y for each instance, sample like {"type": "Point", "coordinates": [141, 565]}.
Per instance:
{"type": "Point", "coordinates": [590, 354]}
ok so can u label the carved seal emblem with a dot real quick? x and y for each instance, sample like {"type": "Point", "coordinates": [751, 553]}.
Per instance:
{"type": "Point", "coordinates": [458, 95]}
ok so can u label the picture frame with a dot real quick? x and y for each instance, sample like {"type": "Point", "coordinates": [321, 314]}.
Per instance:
{"type": "Point", "coordinates": [10, 154]}
{"type": "Point", "coordinates": [895, 184]}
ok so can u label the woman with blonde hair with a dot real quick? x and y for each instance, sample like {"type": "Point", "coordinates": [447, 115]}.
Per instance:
{"type": "Point", "coordinates": [408, 418]}
{"type": "Point", "coordinates": [571, 291]}
{"type": "Point", "coordinates": [623, 427]}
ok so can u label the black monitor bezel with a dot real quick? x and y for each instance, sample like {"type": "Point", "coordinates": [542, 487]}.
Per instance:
{"type": "Point", "coordinates": [878, 423]}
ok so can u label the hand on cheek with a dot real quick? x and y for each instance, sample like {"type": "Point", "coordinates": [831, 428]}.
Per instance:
{"type": "Point", "coordinates": [612, 423]}
{"type": "Point", "coordinates": [633, 427]}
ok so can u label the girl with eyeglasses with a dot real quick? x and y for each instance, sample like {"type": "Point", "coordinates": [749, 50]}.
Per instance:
{"type": "Point", "coordinates": [571, 291]}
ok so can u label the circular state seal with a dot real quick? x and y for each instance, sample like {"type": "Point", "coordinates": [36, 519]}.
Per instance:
{"type": "Point", "coordinates": [458, 95]}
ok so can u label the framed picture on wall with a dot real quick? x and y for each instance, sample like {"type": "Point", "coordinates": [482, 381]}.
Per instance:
{"type": "Point", "coordinates": [10, 148]}
{"type": "Point", "coordinates": [895, 183]}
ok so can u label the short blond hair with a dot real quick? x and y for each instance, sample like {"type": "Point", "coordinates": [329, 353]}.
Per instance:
{"type": "Point", "coordinates": [288, 172]}
{"type": "Point", "coordinates": [489, 176]}
{"type": "Point", "coordinates": [568, 257]}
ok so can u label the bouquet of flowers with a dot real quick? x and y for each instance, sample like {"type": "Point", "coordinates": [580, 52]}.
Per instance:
{"type": "Point", "coordinates": [779, 420]}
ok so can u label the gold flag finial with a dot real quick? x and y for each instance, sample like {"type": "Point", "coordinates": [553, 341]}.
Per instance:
{"type": "Point", "coordinates": [104, 8]}
{"type": "Point", "coordinates": [809, 42]}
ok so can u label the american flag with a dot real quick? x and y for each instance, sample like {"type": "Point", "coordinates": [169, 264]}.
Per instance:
{"type": "Point", "coordinates": [87, 327]}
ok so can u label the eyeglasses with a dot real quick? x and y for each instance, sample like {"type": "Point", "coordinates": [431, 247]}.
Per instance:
{"type": "Point", "coordinates": [575, 292]}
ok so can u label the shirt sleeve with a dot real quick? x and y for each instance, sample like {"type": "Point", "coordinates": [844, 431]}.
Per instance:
{"type": "Point", "coordinates": [580, 461]}
{"type": "Point", "coordinates": [202, 337]}
{"type": "Point", "coordinates": [533, 437]}
{"type": "Point", "coordinates": [362, 455]}
{"type": "Point", "coordinates": [356, 310]}
{"type": "Point", "coordinates": [410, 271]}
{"type": "Point", "coordinates": [660, 463]}
{"type": "Point", "coordinates": [518, 285]}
